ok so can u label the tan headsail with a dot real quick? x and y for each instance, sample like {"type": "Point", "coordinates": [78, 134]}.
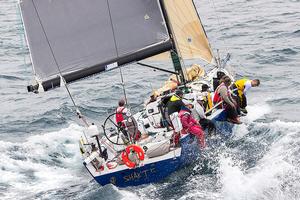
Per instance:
{"type": "Point", "coordinates": [188, 32]}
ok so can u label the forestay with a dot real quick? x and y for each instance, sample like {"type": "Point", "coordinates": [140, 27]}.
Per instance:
{"type": "Point", "coordinates": [79, 38]}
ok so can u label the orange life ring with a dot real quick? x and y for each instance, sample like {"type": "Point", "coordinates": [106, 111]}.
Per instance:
{"type": "Point", "coordinates": [135, 148]}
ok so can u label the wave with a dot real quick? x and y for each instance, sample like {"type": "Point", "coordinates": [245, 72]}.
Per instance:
{"type": "Point", "coordinates": [275, 175]}
{"type": "Point", "coordinates": [287, 51]}
{"type": "Point", "coordinates": [41, 163]}
{"type": "Point", "coordinates": [297, 32]}
{"type": "Point", "coordinates": [273, 172]}
{"type": "Point", "coordinates": [9, 77]}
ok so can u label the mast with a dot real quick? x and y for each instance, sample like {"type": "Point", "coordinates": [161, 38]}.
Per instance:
{"type": "Point", "coordinates": [177, 64]}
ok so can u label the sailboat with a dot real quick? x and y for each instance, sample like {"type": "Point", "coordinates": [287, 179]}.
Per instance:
{"type": "Point", "coordinates": [72, 40]}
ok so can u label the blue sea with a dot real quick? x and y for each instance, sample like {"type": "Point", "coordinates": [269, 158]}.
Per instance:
{"type": "Point", "coordinates": [39, 133]}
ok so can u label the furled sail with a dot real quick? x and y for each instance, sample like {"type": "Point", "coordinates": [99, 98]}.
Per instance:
{"type": "Point", "coordinates": [187, 30]}
{"type": "Point", "coordinates": [78, 38]}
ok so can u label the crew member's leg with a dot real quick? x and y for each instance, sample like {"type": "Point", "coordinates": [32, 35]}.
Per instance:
{"type": "Point", "coordinates": [176, 123]}
{"type": "Point", "coordinates": [244, 103]}
{"type": "Point", "coordinates": [199, 133]}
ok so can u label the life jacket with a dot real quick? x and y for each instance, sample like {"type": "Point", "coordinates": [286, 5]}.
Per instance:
{"type": "Point", "coordinates": [240, 85]}
{"type": "Point", "coordinates": [208, 104]}
{"type": "Point", "coordinates": [174, 104]}
{"type": "Point", "coordinates": [217, 96]}
{"type": "Point", "coordinates": [174, 98]}
{"type": "Point", "coordinates": [119, 115]}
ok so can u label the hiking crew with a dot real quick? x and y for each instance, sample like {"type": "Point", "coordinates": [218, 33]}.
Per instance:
{"type": "Point", "coordinates": [240, 88]}
{"type": "Point", "coordinates": [200, 116]}
{"type": "Point", "coordinates": [222, 94]}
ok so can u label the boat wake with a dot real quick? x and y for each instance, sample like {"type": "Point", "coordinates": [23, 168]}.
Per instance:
{"type": "Point", "coordinates": [41, 163]}
{"type": "Point", "coordinates": [274, 176]}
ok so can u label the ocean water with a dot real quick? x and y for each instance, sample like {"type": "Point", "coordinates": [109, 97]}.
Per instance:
{"type": "Point", "coordinates": [38, 133]}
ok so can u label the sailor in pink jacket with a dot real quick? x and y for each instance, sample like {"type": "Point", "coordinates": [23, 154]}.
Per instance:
{"type": "Point", "coordinates": [190, 125]}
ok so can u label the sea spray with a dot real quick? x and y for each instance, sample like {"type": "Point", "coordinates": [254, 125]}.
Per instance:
{"type": "Point", "coordinates": [43, 162]}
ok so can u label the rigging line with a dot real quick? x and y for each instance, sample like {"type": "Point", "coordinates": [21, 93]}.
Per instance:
{"type": "Point", "coordinates": [123, 85]}
{"type": "Point", "coordinates": [56, 63]}
{"type": "Point", "coordinates": [157, 68]}
{"type": "Point", "coordinates": [117, 52]}
{"type": "Point", "coordinates": [219, 22]}
{"type": "Point", "coordinates": [112, 28]}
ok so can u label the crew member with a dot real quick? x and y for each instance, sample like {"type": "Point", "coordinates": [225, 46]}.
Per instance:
{"type": "Point", "coordinates": [222, 94]}
{"type": "Point", "coordinates": [199, 114]}
{"type": "Point", "coordinates": [207, 101]}
{"type": "Point", "coordinates": [122, 121]}
{"type": "Point", "coordinates": [240, 88]}
{"type": "Point", "coordinates": [190, 125]}
{"type": "Point", "coordinates": [120, 112]}
{"type": "Point", "coordinates": [174, 105]}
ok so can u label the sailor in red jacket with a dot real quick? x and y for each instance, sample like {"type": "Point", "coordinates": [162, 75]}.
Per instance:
{"type": "Point", "coordinates": [122, 116]}
{"type": "Point", "coordinates": [121, 112]}
{"type": "Point", "coordinates": [190, 125]}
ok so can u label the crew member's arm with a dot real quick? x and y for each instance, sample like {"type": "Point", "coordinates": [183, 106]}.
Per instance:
{"type": "Point", "coordinates": [200, 111]}
{"type": "Point", "coordinates": [224, 94]}
{"type": "Point", "coordinates": [247, 86]}
{"type": "Point", "coordinates": [184, 120]}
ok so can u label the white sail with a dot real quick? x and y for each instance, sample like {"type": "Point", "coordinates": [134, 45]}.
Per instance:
{"type": "Point", "coordinates": [187, 30]}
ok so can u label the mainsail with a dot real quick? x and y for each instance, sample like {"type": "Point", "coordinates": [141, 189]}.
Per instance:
{"type": "Point", "coordinates": [77, 38]}
{"type": "Point", "coordinates": [187, 30]}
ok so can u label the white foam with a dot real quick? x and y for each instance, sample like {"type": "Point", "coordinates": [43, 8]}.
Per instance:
{"type": "Point", "coordinates": [127, 195]}
{"type": "Point", "coordinates": [240, 131]}
{"type": "Point", "coordinates": [256, 111]}
{"type": "Point", "coordinates": [41, 163]}
{"type": "Point", "coordinates": [272, 174]}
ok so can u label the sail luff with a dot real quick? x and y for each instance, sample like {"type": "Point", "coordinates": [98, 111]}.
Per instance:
{"type": "Point", "coordinates": [26, 40]}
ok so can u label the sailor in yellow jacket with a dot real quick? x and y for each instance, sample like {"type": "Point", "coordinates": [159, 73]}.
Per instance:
{"type": "Point", "coordinates": [240, 88]}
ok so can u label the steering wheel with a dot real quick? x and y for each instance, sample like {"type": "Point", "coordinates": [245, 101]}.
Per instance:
{"type": "Point", "coordinates": [121, 133]}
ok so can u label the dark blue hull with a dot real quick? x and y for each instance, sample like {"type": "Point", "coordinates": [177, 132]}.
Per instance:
{"type": "Point", "coordinates": [153, 172]}
{"type": "Point", "coordinates": [156, 171]}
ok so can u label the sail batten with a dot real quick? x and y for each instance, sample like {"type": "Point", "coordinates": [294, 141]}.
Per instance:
{"type": "Point", "coordinates": [76, 37]}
